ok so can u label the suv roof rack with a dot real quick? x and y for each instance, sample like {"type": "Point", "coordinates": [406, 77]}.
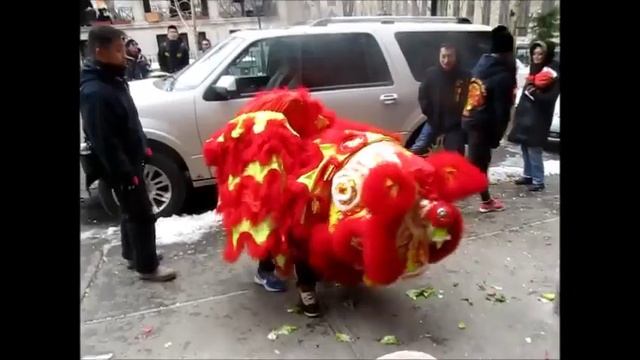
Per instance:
{"type": "Point", "coordinates": [389, 20]}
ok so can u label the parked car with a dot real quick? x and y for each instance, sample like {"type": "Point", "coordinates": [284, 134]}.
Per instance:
{"type": "Point", "coordinates": [554, 131]}
{"type": "Point", "coordinates": [366, 68]}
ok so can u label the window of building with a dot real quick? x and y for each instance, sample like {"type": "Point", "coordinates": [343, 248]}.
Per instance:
{"type": "Point", "coordinates": [146, 4]}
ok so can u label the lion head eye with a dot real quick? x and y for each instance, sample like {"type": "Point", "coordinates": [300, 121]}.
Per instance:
{"type": "Point", "coordinates": [346, 192]}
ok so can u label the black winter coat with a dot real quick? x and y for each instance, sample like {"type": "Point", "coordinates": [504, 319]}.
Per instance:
{"type": "Point", "coordinates": [490, 98]}
{"type": "Point", "coordinates": [110, 122]}
{"type": "Point", "coordinates": [442, 97]}
{"type": "Point", "coordinates": [534, 116]}
{"type": "Point", "coordinates": [173, 56]}
{"type": "Point", "coordinates": [137, 69]}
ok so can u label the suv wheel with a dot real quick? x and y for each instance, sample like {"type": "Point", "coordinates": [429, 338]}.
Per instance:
{"type": "Point", "coordinates": [166, 186]}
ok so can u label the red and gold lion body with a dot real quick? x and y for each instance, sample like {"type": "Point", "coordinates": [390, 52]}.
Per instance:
{"type": "Point", "coordinates": [295, 182]}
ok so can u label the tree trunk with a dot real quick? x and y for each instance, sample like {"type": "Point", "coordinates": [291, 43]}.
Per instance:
{"type": "Point", "coordinates": [443, 8]}
{"type": "Point", "coordinates": [523, 16]}
{"type": "Point", "coordinates": [196, 38]}
{"type": "Point", "coordinates": [504, 13]}
{"type": "Point", "coordinates": [415, 11]}
{"type": "Point", "coordinates": [424, 7]}
{"type": "Point", "coordinates": [317, 9]}
{"type": "Point", "coordinates": [471, 9]}
{"type": "Point", "coordinates": [486, 12]}
{"type": "Point", "coordinates": [456, 8]}
{"type": "Point", "coordinates": [347, 7]}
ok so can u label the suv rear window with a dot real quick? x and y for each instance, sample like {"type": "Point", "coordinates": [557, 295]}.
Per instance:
{"type": "Point", "coordinates": [343, 60]}
{"type": "Point", "coordinates": [422, 49]}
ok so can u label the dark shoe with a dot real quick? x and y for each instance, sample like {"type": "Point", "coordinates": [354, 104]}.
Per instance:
{"type": "Point", "coordinates": [309, 304]}
{"type": "Point", "coordinates": [131, 265]}
{"type": "Point", "coordinates": [536, 187]}
{"type": "Point", "coordinates": [161, 274]}
{"type": "Point", "coordinates": [524, 181]}
{"type": "Point", "coordinates": [270, 281]}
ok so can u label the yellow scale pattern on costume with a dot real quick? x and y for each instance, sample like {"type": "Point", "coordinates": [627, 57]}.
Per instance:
{"type": "Point", "coordinates": [255, 169]}
{"type": "Point", "coordinates": [259, 231]}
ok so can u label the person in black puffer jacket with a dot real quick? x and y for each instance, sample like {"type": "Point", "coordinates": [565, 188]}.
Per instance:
{"type": "Point", "coordinates": [534, 113]}
{"type": "Point", "coordinates": [173, 54]}
{"type": "Point", "coordinates": [488, 109]}
{"type": "Point", "coordinates": [442, 95]}
{"type": "Point", "coordinates": [112, 127]}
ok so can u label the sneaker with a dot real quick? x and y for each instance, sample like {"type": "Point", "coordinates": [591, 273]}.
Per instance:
{"type": "Point", "coordinates": [161, 274]}
{"type": "Point", "coordinates": [132, 265]}
{"type": "Point", "coordinates": [270, 281]}
{"type": "Point", "coordinates": [524, 181]}
{"type": "Point", "coordinates": [309, 304]}
{"type": "Point", "coordinates": [535, 187]}
{"type": "Point", "coordinates": [491, 206]}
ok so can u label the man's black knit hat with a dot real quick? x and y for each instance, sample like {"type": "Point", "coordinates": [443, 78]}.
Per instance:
{"type": "Point", "coordinates": [501, 40]}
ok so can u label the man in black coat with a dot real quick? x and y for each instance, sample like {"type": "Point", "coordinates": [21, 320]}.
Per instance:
{"type": "Point", "coordinates": [488, 109]}
{"type": "Point", "coordinates": [534, 113]}
{"type": "Point", "coordinates": [441, 96]}
{"type": "Point", "coordinates": [173, 54]}
{"type": "Point", "coordinates": [138, 66]}
{"type": "Point", "coordinates": [112, 127]}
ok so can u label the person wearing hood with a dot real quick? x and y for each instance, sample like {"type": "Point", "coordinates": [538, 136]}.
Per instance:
{"type": "Point", "coordinates": [138, 66]}
{"type": "Point", "coordinates": [534, 113]}
{"type": "Point", "coordinates": [113, 131]}
{"type": "Point", "coordinates": [205, 45]}
{"type": "Point", "coordinates": [488, 109]}
{"type": "Point", "coordinates": [441, 96]}
{"type": "Point", "coordinates": [173, 54]}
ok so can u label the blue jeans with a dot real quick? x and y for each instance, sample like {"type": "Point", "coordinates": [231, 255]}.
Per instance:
{"type": "Point", "coordinates": [533, 164]}
{"type": "Point", "coordinates": [422, 142]}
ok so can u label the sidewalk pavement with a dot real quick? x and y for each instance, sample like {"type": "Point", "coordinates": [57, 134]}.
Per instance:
{"type": "Point", "coordinates": [213, 310]}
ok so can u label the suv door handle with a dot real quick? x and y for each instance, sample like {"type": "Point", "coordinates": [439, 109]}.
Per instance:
{"type": "Point", "coordinates": [389, 99]}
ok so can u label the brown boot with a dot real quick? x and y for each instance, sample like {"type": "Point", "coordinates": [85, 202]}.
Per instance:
{"type": "Point", "coordinates": [161, 274]}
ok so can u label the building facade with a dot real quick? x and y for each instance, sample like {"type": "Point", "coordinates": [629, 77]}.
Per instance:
{"type": "Point", "coordinates": [146, 20]}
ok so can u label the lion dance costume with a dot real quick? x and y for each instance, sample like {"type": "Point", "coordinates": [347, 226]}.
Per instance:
{"type": "Point", "coordinates": [296, 182]}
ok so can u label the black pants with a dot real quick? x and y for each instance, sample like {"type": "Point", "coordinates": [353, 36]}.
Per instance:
{"type": "Point", "coordinates": [454, 141]}
{"type": "Point", "coordinates": [305, 275]}
{"type": "Point", "coordinates": [137, 226]}
{"type": "Point", "coordinates": [480, 156]}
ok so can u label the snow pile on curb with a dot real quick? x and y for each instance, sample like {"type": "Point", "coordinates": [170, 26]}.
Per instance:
{"type": "Point", "coordinates": [506, 173]}
{"type": "Point", "coordinates": [186, 229]}
{"type": "Point", "coordinates": [171, 230]}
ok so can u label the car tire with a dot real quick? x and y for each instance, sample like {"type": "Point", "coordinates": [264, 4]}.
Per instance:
{"type": "Point", "coordinates": [161, 170]}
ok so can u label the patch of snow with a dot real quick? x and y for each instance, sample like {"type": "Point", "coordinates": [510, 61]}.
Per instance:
{"type": "Point", "coordinates": [500, 174]}
{"type": "Point", "coordinates": [186, 229]}
{"type": "Point", "coordinates": [169, 230]}
{"type": "Point", "coordinates": [509, 170]}
{"type": "Point", "coordinates": [552, 167]}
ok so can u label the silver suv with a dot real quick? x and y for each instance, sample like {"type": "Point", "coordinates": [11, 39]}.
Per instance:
{"type": "Point", "coordinates": [366, 68]}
